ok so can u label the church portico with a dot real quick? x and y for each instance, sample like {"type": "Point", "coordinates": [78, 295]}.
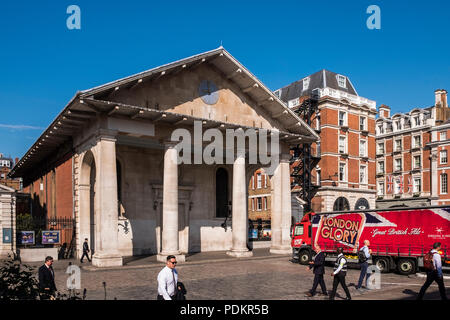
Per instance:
{"type": "Point", "coordinates": [137, 193]}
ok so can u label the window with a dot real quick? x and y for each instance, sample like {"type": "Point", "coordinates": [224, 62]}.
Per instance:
{"type": "Point", "coordinates": [298, 230]}
{"type": "Point", "coordinates": [380, 190]}
{"type": "Point", "coordinates": [342, 144]}
{"type": "Point", "coordinates": [362, 123]}
{"type": "Point", "coordinates": [443, 183]}
{"type": "Point", "coordinates": [417, 141]}
{"type": "Point", "coordinates": [398, 164]}
{"type": "Point", "coordinates": [398, 145]}
{"type": "Point", "coordinates": [362, 148]}
{"type": "Point", "coordinates": [398, 125]}
{"type": "Point", "coordinates": [277, 93]}
{"type": "Point", "coordinates": [341, 81]}
{"type": "Point", "coordinates": [341, 204]}
{"type": "Point", "coordinates": [258, 180]}
{"type": "Point", "coordinates": [380, 129]}
{"type": "Point", "coordinates": [258, 204]}
{"type": "Point", "coordinates": [293, 103]}
{"type": "Point", "coordinates": [362, 174]}
{"type": "Point", "coordinates": [305, 83]}
{"type": "Point", "coordinates": [443, 135]}
{"type": "Point", "coordinates": [443, 155]}
{"type": "Point", "coordinates": [416, 121]}
{"type": "Point", "coordinates": [397, 186]}
{"type": "Point", "coordinates": [342, 118]}
{"type": "Point", "coordinates": [417, 185]}
{"type": "Point", "coordinates": [381, 167]}
{"type": "Point", "coordinates": [342, 172]}
{"type": "Point", "coordinates": [416, 162]}
{"type": "Point", "coordinates": [381, 148]}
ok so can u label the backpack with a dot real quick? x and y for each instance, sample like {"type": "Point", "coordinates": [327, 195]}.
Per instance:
{"type": "Point", "coordinates": [428, 261]}
{"type": "Point", "coordinates": [361, 257]}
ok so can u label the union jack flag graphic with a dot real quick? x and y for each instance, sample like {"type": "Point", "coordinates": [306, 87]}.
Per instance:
{"type": "Point", "coordinates": [390, 184]}
{"type": "Point", "coordinates": [400, 185]}
{"type": "Point", "coordinates": [410, 186]}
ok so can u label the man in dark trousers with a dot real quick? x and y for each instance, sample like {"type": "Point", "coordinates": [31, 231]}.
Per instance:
{"type": "Point", "coordinates": [340, 271]}
{"type": "Point", "coordinates": [47, 285]}
{"type": "Point", "coordinates": [85, 251]}
{"type": "Point", "coordinates": [435, 274]}
{"type": "Point", "coordinates": [318, 266]}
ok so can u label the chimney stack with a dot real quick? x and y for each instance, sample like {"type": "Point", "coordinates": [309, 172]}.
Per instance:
{"type": "Point", "coordinates": [440, 98]}
{"type": "Point", "coordinates": [384, 111]}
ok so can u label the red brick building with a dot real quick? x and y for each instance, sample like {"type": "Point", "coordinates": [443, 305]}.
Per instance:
{"type": "Point", "coordinates": [6, 164]}
{"type": "Point", "coordinates": [406, 144]}
{"type": "Point", "coordinates": [345, 174]}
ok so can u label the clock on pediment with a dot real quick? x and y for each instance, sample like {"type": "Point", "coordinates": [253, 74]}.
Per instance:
{"type": "Point", "coordinates": [208, 91]}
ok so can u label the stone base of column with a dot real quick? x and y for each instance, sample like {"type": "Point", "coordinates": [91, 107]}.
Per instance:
{"type": "Point", "coordinates": [162, 257]}
{"type": "Point", "coordinates": [240, 253]}
{"type": "Point", "coordinates": [280, 250]}
{"type": "Point", "coordinates": [106, 260]}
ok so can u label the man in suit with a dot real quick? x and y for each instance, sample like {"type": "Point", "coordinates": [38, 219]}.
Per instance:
{"type": "Point", "coordinates": [318, 266]}
{"type": "Point", "coordinates": [85, 251]}
{"type": "Point", "coordinates": [47, 285]}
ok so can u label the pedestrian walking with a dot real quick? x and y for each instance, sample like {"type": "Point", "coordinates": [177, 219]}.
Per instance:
{"type": "Point", "coordinates": [318, 267]}
{"type": "Point", "coordinates": [85, 250]}
{"type": "Point", "coordinates": [167, 280]}
{"type": "Point", "coordinates": [47, 287]}
{"type": "Point", "coordinates": [363, 259]}
{"type": "Point", "coordinates": [340, 271]}
{"type": "Point", "coordinates": [433, 264]}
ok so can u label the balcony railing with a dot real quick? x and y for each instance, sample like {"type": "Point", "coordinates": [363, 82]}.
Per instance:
{"type": "Point", "coordinates": [322, 92]}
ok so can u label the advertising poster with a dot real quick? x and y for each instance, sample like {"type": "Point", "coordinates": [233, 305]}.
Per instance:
{"type": "Point", "coordinates": [50, 237]}
{"type": "Point", "coordinates": [26, 237]}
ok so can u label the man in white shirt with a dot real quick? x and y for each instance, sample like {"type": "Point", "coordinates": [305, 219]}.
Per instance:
{"type": "Point", "coordinates": [339, 273]}
{"type": "Point", "coordinates": [167, 280]}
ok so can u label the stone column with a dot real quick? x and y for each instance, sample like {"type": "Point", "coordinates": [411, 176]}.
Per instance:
{"type": "Point", "coordinates": [281, 208]}
{"type": "Point", "coordinates": [239, 210]}
{"type": "Point", "coordinates": [169, 238]}
{"type": "Point", "coordinates": [275, 219]}
{"type": "Point", "coordinates": [286, 211]}
{"type": "Point", "coordinates": [106, 249]}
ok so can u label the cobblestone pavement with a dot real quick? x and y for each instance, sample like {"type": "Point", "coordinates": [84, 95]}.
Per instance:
{"type": "Point", "coordinates": [258, 278]}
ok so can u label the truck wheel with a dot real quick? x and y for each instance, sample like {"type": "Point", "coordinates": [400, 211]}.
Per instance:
{"type": "Point", "coordinates": [383, 264]}
{"type": "Point", "coordinates": [304, 257]}
{"type": "Point", "coordinates": [406, 266]}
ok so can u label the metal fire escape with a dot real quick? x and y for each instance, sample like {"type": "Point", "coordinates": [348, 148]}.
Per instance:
{"type": "Point", "coordinates": [303, 159]}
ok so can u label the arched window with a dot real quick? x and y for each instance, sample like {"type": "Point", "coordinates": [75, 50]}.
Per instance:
{"type": "Point", "coordinates": [341, 204]}
{"type": "Point", "coordinates": [362, 204]}
{"type": "Point", "coordinates": [221, 193]}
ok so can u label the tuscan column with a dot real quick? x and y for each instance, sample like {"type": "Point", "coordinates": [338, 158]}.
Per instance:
{"type": "Point", "coordinates": [106, 249]}
{"type": "Point", "coordinates": [239, 210]}
{"type": "Point", "coordinates": [170, 243]}
{"type": "Point", "coordinates": [275, 220]}
{"type": "Point", "coordinates": [286, 213]}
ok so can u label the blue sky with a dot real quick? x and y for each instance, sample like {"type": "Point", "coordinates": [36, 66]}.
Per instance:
{"type": "Point", "coordinates": [43, 63]}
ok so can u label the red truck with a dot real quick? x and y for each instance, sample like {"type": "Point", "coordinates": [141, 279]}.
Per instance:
{"type": "Point", "coordinates": [399, 238]}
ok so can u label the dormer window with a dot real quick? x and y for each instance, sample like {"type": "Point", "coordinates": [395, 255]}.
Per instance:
{"type": "Point", "coordinates": [305, 83]}
{"type": "Point", "coordinates": [341, 80]}
{"type": "Point", "coordinates": [398, 125]}
{"type": "Point", "coordinates": [416, 121]}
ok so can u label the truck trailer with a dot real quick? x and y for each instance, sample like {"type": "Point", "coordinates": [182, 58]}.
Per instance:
{"type": "Point", "coordinates": [399, 238]}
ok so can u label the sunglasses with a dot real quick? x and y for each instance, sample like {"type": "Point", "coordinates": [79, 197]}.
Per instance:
{"type": "Point", "coordinates": [173, 262]}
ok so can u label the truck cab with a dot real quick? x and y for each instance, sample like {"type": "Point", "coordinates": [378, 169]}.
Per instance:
{"type": "Point", "coordinates": [301, 242]}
